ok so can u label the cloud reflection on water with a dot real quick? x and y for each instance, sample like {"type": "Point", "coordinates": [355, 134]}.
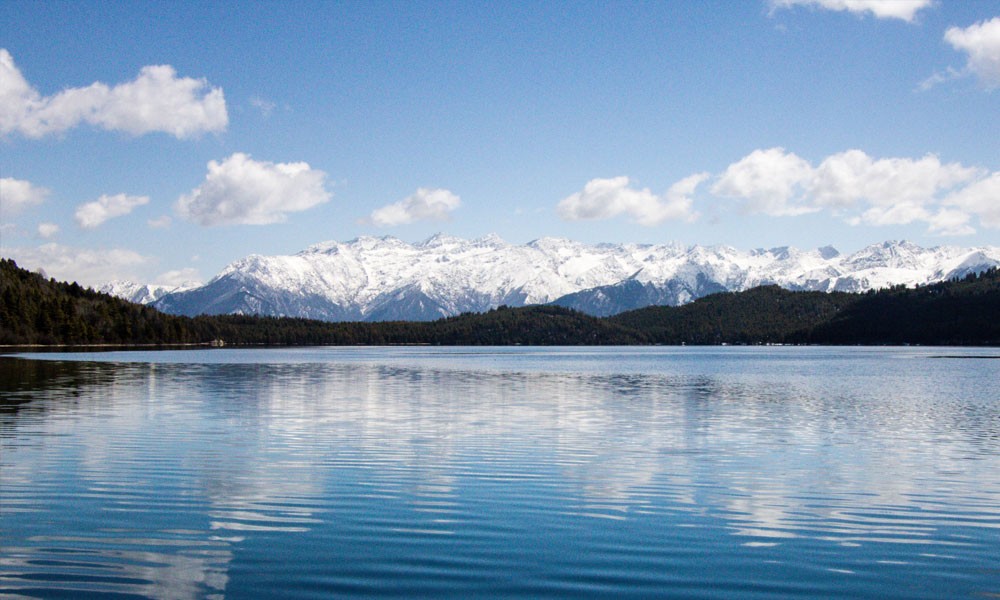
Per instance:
{"type": "Point", "coordinates": [238, 450]}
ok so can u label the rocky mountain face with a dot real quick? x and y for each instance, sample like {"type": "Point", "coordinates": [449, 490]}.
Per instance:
{"type": "Point", "coordinates": [378, 279]}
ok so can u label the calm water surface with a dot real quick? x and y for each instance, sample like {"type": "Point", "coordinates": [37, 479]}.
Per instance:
{"type": "Point", "coordinates": [422, 472]}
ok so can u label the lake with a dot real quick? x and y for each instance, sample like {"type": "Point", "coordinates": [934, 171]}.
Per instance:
{"type": "Point", "coordinates": [764, 472]}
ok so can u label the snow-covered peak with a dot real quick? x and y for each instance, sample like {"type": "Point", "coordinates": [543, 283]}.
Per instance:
{"type": "Point", "coordinates": [828, 252]}
{"type": "Point", "coordinates": [490, 240]}
{"type": "Point", "coordinates": [384, 277]}
{"type": "Point", "coordinates": [140, 293]}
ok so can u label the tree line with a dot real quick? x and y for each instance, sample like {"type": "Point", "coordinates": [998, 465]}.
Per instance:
{"type": "Point", "coordinates": [36, 310]}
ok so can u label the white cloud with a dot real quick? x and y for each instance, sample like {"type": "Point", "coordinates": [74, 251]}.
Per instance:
{"type": "Point", "coordinates": [678, 197]}
{"type": "Point", "coordinates": [609, 198]}
{"type": "Point", "coordinates": [883, 9]}
{"type": "Point", "coordinates": [981, 42]}
{"type": "Point", "coordinates": [903, 213]}
{"type": "Point", "coordinates": [424, 205]}
{"type": "Point", "coordinates": [951, 199]}
{"type": "Point", "coordinates": [243, 191]}
{"type": "Point", "coordinates": [864, 190]}
{"type": "Point", "coordinates": [17, 194]}
{"type": "Point", "coordinates": [950, 222]}
{"type": "Point", "coordinates": [844, 179]}
{"type": "Point", "coordinates": [93, 214]}
{"type": "Point", "coordinates": [47, 230]}
{"type": "Point", "coordinates": [179, 278]}
{"type": "Point", "coordinates": [981, 198]}
{"type": "Point", "coordinates": [156, 100]}
{"type": "Point", "coordinates": [85, 266]}
{"type": "Point", "coordinates": [771, 181]}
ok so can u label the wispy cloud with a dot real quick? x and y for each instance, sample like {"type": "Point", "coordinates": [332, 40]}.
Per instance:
{"type": "Point", "coordinates": [188, 277]}
{"type": "Point", "coordinates": [266, 107]}
{"type": "Point", "coordinates": [940, 77]}
{"type": "Point", "coordinates": [47, 230]}
{"type": "Point", "coordinates": [156, 100]}
{"type": "Point", "coordinates": [161, 222]}
{"type": "Point", "coordinates": [86, 266]}
{"type": "Point", "coordinates": [905, 10]}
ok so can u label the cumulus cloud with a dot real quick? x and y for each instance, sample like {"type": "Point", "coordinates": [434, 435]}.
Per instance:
{"type": "Point", "coordinates": [609, 198]}
{"type": "Point", "coordinates": [905, 10]}
{"type": "Point", "coordinates": [850, 177]}
{"type": "Point", "coordinates": [950, 222]}
{"type": "Point", "coordinates": [18, 194]}
{"type": "Point", "coordinates": [47, 230]}
{"type": "Point", "coordinates": [86, 266]}
{"type": "Point", "coordinates": [864, 190]}
{"type": "Point", "coordinates": [93, 214]}
{"type": "Point", "coordinates": [951, 199]}
{"type": "Point", "coordinates": [156, 100]}
{"type": "Point", "coordinates": [981, 198]}
{"type": "Point", "coordinates": [425, 205]}
{"type": "Point", "coordinates": [243, 191]}
{"type": "Point", "coordinates": [981, 43]}
{"type": "Point", "coordinates": [770, 181]}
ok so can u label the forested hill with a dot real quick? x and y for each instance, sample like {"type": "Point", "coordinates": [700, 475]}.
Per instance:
{"type": "Point", "coordinates": [766, 314]}
{"type": "Point", "coordinates": [959, 312]}
{"type": "Point", "coordinates": [36, 310]}
{"type": "Point", "coordinates": [963, 312]}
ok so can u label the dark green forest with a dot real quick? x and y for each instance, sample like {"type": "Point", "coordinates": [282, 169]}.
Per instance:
{"type": "Point", "coordinates": [762, 315]}
{"type": "Point", "coordinates": [39, 311]}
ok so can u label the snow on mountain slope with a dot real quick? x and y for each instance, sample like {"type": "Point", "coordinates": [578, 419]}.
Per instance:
{"type": "Point", "coordinates": [140, 293]}
{"type": "Point", "coordinates": [385, 278]}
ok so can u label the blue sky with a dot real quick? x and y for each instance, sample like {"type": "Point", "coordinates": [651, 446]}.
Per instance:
{"type": "Point", "coordinates": [159, 141]}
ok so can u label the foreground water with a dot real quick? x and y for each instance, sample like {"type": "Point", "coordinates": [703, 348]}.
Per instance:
{"type": "Point", "coordinates": [409, 472]}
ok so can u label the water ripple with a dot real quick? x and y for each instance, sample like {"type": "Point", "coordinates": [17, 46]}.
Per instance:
{"type": "Point", "coordinates": [789, 473]}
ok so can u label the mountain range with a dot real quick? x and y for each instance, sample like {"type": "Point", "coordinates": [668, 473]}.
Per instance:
{"type": "Point", "coordinates": [381, 279]}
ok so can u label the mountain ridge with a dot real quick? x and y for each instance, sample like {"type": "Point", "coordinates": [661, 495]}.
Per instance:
{"type": "Point", "coordinates": [960, 311]}
{"type": "Point", "coordinates": [385, 278]}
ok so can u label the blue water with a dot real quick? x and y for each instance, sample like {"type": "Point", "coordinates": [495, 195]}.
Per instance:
{"type": "Point", "coordinates": [501, 472]}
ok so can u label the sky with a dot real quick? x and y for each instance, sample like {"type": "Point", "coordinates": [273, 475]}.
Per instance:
{"type": "Point", "coordinates": [160, 141]}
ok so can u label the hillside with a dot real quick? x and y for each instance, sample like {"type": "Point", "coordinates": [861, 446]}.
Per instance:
{"type": "Point", "coordinates": [960, 312]}
{"type": "Point", "coordinates": [766, 314]}
{"type": "Point", "coordinates": [965, 311]}
{"type": "Point", "coordinates": [36, 310]}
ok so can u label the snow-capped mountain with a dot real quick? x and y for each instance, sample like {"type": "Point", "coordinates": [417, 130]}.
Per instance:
{"type": "Point", "coordinates": [140, 293]}
{"type": "Point", "coordinates": [386, 279]}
